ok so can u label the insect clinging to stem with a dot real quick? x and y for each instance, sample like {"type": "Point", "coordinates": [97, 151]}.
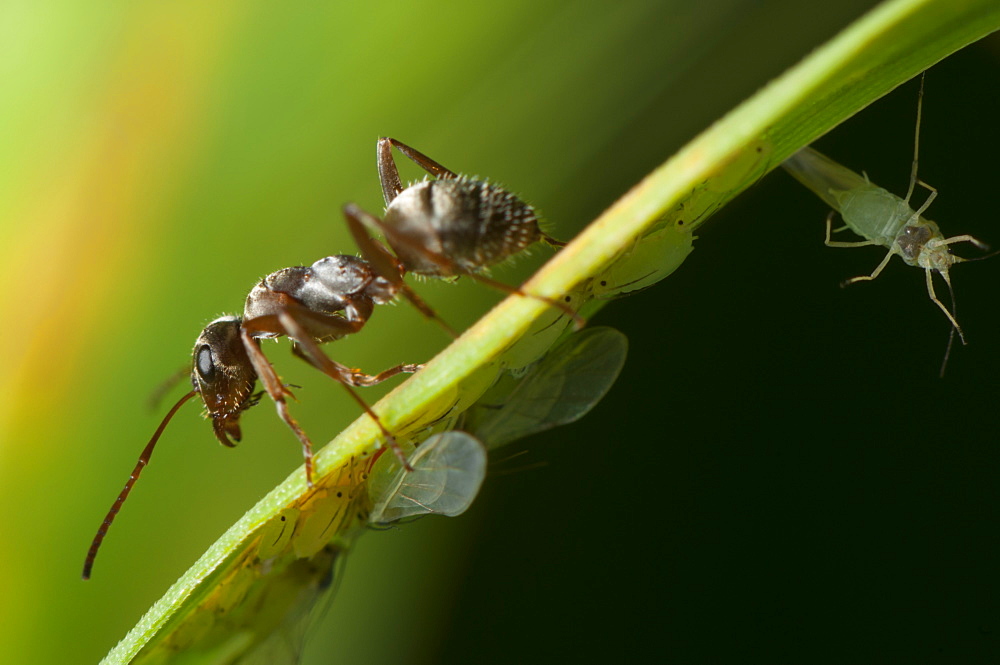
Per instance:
{"type": "Point", "coordinates": [450, 226]}
{"type": "Point", "coordinates": [326, 301]}
{"type": "Point", "coordinates": [882, 218]}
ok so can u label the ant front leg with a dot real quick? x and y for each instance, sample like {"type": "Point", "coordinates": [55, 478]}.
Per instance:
{"type": "Point", "coordinates": [309, 350]}
{"type": "Point", "coordinates": [388, 174]}
{"type": "Point", "coordinates": [272, 384]}
{"type": "Point", "coordinates": [385, 264]}
{"type": "Point", "coordinates": [294, 320]}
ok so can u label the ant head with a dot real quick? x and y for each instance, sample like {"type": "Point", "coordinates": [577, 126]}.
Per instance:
{"type": "Point", "coordinates": [224, 376]}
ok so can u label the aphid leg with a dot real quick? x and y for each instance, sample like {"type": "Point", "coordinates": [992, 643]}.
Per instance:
{"type": "Point", "coordinates": [875, 273]}
{"type": "Point", "coordinates": [385, 264]}
{"type": "Point", "coordinates": [926, 204]}
{"type": "Point", "coordinates": [965, 238]}
{"type": "Point", "coordinates": [916, 143]}
{"type": "Point", "coordinates": [273, 386]}
{"type": "Point", "coordinates": [344, 375]}
{"type": "Point", "coordinates": [930, 292]}
{"type": "Point", "coordinates": [837, 243]}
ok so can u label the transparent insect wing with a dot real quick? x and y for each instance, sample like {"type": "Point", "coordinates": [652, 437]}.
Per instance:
{"type": "Point", "coordinates": [268, 596]}
{"type": "Point", "coordinates": [539, 338]}
{"type": "Point", "coordinates": [294, 603]}
{"type": "Point", "coordinates": [824, 177]}
{"type": "Point", "coordinates": [258, 613]}
{"type": "Point", "coordinates": [560, 389]}
{"type": "Point", "coordinates": [448, 470]}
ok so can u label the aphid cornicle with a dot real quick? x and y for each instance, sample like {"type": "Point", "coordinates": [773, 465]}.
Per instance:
{"type": "Point", "coordinates": [882, 218]}
{"type": "Point", "coordinates": [451, 226]}
{"type": "Point", "coordinates": [326, 301]}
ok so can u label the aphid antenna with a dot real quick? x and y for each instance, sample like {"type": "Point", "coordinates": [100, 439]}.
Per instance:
{"type": "Point", "coordinates": [951, 333]}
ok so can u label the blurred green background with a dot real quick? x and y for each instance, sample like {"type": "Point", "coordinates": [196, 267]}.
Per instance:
{"type": "Point", "coordinates": [779, 473]}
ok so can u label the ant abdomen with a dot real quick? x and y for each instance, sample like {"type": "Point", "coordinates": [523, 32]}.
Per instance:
{"type": "Point", "coordinates": [474, 223]}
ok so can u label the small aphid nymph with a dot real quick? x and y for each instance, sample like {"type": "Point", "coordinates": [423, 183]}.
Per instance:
{"type": "Point", "coordinates": [884, 219]}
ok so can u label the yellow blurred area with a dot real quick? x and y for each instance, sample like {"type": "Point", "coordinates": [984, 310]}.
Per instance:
{"type": "Point", "coordinates": [158, 158]}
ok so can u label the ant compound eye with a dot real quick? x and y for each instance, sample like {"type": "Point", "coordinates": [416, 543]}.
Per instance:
{"type": "Point", "coordinates": [205, 363]}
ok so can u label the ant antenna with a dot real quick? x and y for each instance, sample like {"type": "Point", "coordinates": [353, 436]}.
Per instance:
{"type": "Point", "coordinates": [116, 506]}
{"type": "Point", "coordinates": [167, 385]}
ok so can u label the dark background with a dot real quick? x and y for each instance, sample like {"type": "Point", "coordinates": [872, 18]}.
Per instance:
{"type": "Point", "coordinates": [783, 476]}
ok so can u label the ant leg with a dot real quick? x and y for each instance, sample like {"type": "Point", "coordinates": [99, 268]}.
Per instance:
{"type": "Point", "coordinates": [274, 387]}
{"type": "Point", "coordinates": [293, 320]}
{"type": "Point", "coordinates": [385, 264]}
{"type": "Point", "coordinates": [335, 370]}
{"type": "Point", "coordinates": [836, 243]}
{"type": "Point", "coordinates": [357, 219]}
{"type": "Point", "coordinates": [578, 321]}
{"type": "Point", "coordinates": [875, 273]}
{"type": "Point", "coordinates": [389, 175]}
{"type": "Point", "coordinates": [930, 292]}
{"type": "Point", "coordinates": [550, 241]}
{"type": "Point", "coordinates": [355, 377]}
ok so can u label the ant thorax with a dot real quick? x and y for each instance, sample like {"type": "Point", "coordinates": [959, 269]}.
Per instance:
{"type": "Point", "coordinates": [472, 222]}
{"type": "Point", "coordinates": [344, 285]}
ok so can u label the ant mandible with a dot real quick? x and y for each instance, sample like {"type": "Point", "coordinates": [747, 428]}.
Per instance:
{"type": "Point", "coordinates": [451, 226]}
{"type": "Point", "coordinates": [326, 301]}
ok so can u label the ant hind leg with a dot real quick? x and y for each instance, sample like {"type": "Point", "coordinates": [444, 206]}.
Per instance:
{"type": "Point", "coordinates": [385, 264]}
{"type": "Point", "coordinates": [388, 174]}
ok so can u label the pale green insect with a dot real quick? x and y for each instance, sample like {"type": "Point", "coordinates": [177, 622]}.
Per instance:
{"type": "Point", "coordinates": [652, 258]}
{"type": "Point", "coordinates": [448, 470]}
{"type": "Point", "coordinates": [882, 218]}
{"type": "Point", "coordinates": [260, 608]}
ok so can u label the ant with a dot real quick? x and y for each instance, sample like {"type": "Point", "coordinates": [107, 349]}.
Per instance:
{"type": "Point", "coordinates": [448, 227]}
{"type": "Point", "coordinates": [326, 301]}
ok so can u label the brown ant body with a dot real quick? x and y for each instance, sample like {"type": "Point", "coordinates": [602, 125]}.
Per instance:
{"type": "Point", "coordinates": [326, 301]}
{"type": "Point", "coordinates": [451, 226]}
